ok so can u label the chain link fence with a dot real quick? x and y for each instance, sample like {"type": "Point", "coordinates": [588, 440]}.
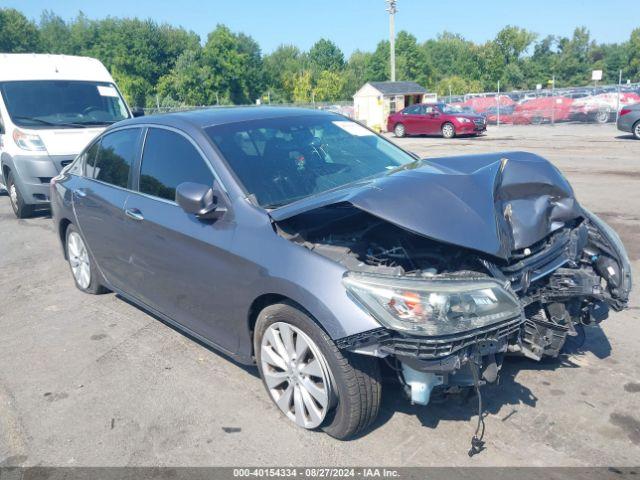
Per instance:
{"type": "Point", "coordinates": [593, 104]}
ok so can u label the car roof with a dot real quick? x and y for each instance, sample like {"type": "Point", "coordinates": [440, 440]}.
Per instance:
{"type": "Point", "coordinates": [208, 117]}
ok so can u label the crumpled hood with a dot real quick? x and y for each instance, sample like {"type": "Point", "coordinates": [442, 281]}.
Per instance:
{"type": "Point", "coordinates": [493, 203]}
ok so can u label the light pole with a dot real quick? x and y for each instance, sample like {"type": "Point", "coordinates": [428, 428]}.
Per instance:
{"type": "Point", "coordinates": [392, 36]}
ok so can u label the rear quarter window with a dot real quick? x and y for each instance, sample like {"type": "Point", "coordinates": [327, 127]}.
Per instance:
{"type": "Point", "coordinates": [115, 155]}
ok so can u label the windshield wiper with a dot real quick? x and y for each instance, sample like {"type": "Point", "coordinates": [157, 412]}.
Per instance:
{"type": "Point", "coordinates": [51, 124]}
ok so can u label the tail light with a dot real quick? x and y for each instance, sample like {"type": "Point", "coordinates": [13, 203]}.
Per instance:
{"type": "Point", "coordinates": [624, 111]}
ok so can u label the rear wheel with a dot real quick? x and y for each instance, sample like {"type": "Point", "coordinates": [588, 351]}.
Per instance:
{"type": "Point", "coordinates": [448, 130]}
{"type": "Point", "coordinates": [399, 130]}
{"type": "Point", "coordinates": [20, 208]}
{"type": "Point", "coordinates": [83, 268]}
{"type": "Point", "coordinates": [309, 379]}
{"type": "Point", "coordinates": [636, 130]}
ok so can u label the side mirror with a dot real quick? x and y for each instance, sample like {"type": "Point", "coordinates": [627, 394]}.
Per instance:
{"type": "Point", "coordinates": [201, 200]}
{"type": "Point", "coordinates": [137, 112]}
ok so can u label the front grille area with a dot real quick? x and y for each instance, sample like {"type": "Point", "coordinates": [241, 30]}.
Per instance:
{"type": "Point", "coordinates": [429, 347]}
{"type": "Point", "coordinates": [543, 258]}
{"type": "Point", "coordinates": [439, 347]}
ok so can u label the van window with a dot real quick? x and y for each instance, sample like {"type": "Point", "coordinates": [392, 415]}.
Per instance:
{"type": "Point", "coordinates": [115, 156]}
{"type": "Point", "coordinates": [169, 159]}
{"type": "Point", "coordinates": [62, 103]}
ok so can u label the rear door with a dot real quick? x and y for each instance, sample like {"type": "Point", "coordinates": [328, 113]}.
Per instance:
{"type": "Point", "coordinates": [100, 199]}
{"type": "Point", "coordinates": [181, 265]}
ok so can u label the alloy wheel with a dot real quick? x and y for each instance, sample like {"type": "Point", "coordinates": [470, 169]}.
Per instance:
{"type": "Point", "coordinates": [399, 131]}
{"type": "Point", "coordinates": [296, 374]}
{"type": "Point", "coordinates": [602, 116]}
{"type": "Point", "coordinates": [636, 130]}
{"type": "Point", "coordinates": [79, 260]}
{"type": "Point", "coordinates": [448, 131]}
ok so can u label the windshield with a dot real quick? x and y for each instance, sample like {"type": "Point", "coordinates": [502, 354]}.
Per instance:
{"type": "Point", "coordinates": [62, 103]}
{"type": "Point", "coordinates": [281, 160]}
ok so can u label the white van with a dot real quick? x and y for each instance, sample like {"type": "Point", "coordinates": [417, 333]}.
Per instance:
{"type": "Point", "coordinates": [51, 106]}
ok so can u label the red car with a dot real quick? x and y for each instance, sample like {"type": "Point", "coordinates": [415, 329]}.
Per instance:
{"type": "Point", "coordinates": [435, 119]}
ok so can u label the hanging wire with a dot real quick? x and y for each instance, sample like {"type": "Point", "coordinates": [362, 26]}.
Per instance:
{"type": "Point", "coordinates": [477, 442]}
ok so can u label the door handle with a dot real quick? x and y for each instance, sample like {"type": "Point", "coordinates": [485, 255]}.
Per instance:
{"type": "Point", "coordinates": [134, 214]}
{"type": "Point", "coordinates": [80, 193]}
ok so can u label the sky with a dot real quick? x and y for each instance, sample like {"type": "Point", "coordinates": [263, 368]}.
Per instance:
{"type": "Point", "coordinates": [360, 24]}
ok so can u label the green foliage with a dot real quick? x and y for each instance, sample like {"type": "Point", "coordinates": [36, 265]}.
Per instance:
{"type": "Point", "coordinates": [17, 33]}
{"type": "Point", "coordinates": [302, 87]}
{"type": "Point", "coordinates": [161, 64]}
{"type": "Point", "coordinates": [455, 85]}
{"type": "Point", "coordinates": [329, 86]}
{"type": "Point", "coordinates": [325, 55]}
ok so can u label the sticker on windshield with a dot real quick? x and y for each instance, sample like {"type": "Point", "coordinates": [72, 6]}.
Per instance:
{"type": "Point", "coordinates": [352, 128]}
{"type": "Point", "coordinates": [107, 91]}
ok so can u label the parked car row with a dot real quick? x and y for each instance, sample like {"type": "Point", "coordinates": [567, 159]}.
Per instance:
{"type": "Point", "coordinates": [306, 244]}
{"type": "Point", "coordinates": [599, 108]}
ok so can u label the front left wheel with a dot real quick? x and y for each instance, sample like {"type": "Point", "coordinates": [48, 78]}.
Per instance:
{"type": "Point", "coordinates": [83, 268]}
{"type": "Point", "coordinates": [311, 381]}
{"type": "Point", "coordinates": [21, 209]}
{"type": "Point", "coordinates": [448, 130]}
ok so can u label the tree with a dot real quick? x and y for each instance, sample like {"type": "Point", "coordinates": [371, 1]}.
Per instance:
{"type": "Point", "coordinates": [55, 35]}
{"type": "Point", "coordinates": [280, 68]}
{"type": "Point", "coordinates": [17, 33]}
{"type": "Point", "coordinates": [456, 85]}
{"type": "Point", "coordinates": [411, 60]}
{"type": "Point", "coordinates": [302, 87]}
{"type": "Point", "coordinates": [235, 64]}
{"type": "Point", "coordinates": [329, 86]}
{"type": "Point", "coordinates": [355, 73]}
{"type": "Point", "coordinates": [325, 55]}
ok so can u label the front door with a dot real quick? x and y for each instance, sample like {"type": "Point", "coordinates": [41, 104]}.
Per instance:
{"type": "Point", "coordinates": [412, 119]}
{"type": "Point", "coordinates": [181, 265]}
{"type": "Point", "coordinates": [431, 119]}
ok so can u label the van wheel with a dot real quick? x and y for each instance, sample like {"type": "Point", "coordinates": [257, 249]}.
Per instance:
{"type": "Point", "coordinates": [20, 208]}
{"type": "Point", "coordinates": [311, 381]}
{"type": "Point", "coordinates": [399, 130]}
{"type": "Point", "coordinates": [448, 130]}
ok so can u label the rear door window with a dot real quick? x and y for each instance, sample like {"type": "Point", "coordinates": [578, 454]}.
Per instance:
{"type": "Point", "coordinates": [115, 155]}
{"type": "Point", "coordinates": [169, 159]}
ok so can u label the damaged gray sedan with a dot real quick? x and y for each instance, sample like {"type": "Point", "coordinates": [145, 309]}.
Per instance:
{"type": "Point", "coordinates": [307, 244]}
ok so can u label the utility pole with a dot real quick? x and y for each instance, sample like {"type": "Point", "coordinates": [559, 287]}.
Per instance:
{"type": "Point", "coordinates": [392, 36]}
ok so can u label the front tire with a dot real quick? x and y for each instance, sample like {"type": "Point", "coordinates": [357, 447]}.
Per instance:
{"type": "Point", "coordinates": [83, 268]}
{"type": "Point", "coordinates": [448, 130]}
{"type": "Point", "coordinates": [399, 130]}
{"type": "Point", "coordinates": [310, 380]}
{"type": "Point", "coordinates": [602, 116]}
{"type": "Point", "coordinates": [21, 209]}
{"type": "Point", "coordinates": [636, 130]}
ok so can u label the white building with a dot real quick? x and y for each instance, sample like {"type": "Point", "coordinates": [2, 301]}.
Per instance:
{"type": "Point", "coordinates": [376, 100]}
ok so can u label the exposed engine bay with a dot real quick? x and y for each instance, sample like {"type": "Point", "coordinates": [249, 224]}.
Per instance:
{"type": "Point", "coordinates": [569, 279]}
{"type": "Point", "coordinates": [463, 261]}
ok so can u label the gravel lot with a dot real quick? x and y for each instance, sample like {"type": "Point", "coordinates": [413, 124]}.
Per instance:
{"type": "Point", "coordinates": [95, 381]}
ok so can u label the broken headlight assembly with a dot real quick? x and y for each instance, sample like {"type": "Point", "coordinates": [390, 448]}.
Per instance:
{"type": "Point", "coordinates": [433, 306]}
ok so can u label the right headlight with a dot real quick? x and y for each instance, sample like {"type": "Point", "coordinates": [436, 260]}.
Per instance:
{"type": "Point", "coordinates": [28, 141]}
{"type": "Point", "coordinates": [433, 307]}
